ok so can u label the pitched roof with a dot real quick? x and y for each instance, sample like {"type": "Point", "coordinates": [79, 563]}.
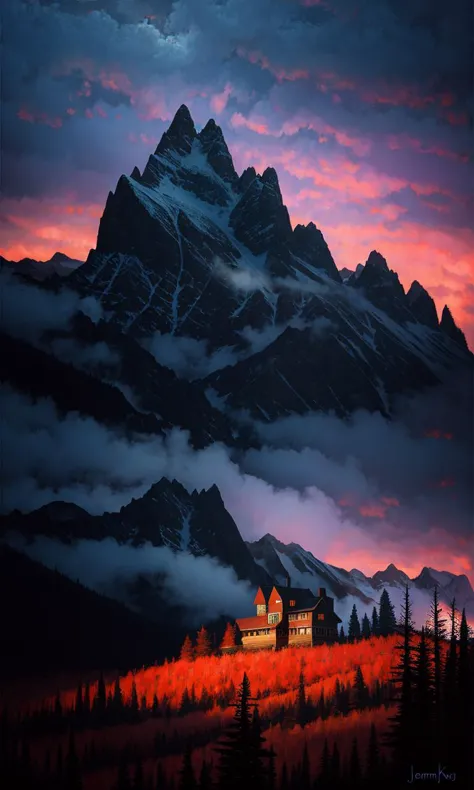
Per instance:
{"type": "Point", "coordinates": [258, 621]}
{"type": "Point", "coordinates": [266, 590]}
{"type": "Point", "coordinates": [303, 598]}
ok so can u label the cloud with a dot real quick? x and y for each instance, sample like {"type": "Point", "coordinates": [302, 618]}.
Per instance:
{"type": "Point", "coordinates": [28, 310]}
{"type": "Point", "coordinates": [310, 484]}
{"type": "Point", "coordinates": [205, 588]}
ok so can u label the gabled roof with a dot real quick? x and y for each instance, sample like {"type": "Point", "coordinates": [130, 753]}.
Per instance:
{"type": "Point", "coordinates": [303, 598]}
{"type": "Point", "coordinates": [266, 591]}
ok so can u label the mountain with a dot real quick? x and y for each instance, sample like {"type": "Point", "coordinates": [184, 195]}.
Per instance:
{"type": "Point", "coordinates": [59, 264]}
{"type": "Point", "coordinates": [193, 251]}
{"type": "Point", "coordinates": [354, 587]}
{"type": "Point", "coordinates": [166, 515]}
{"type": "Point", "coordinates": [86, 631]}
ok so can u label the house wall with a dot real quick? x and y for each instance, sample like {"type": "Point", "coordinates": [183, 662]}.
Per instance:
{"type": "Point", "coordinates": [259, 642]}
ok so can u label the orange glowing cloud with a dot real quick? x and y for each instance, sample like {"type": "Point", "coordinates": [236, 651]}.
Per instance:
{"type": "Point", "coordinates": [438, 549]}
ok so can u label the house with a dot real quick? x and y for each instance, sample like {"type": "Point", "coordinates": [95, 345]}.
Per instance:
{"type": "Point", "coordinates": [288, 616]}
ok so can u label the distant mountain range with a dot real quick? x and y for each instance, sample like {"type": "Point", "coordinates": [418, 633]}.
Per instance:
{"type": "Point", "coordinates": [199, 524]}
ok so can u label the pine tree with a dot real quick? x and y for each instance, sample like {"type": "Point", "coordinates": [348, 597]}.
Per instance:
{"type": "Point", "coordinates": [375, 622]}
{"type": "Point", "coordinates": [387, 619]}
{"type": "Point", "coordinates": [79, 703]}
{"type": "Point", "coordinates": [423, 701]}
{"type": "Point", "coordinates": [240, 750]}
{"type": "Point", "coordinates": [465, 725]}
{"type": "Point", "coordinates": [203, 643]}
{"type": "Point", "coordinates": [301, 707]}
{"type": "Point", "coordinates": [372, 773]}
{"type": "Point", "coordinates": [324, 778]}
{"type": "Point", "coordinates": [117, 699]}
{"type": "Point", "coordinates": [187, 779]}
{"type": "Point", "coordinates": [354, 625]}
{"type": "Point", "coordinates": [185, 704]}
{"type": "Point", "coordinates": [342, 636]}
{"type": "Point", "coordinates": [134, 708]}
{"type": "Point", "coordinates": [229, 640]}
{"type": "Point", "coordinates": [437, 631]}
{"type": "Point", "coordinates": [402, 726]}
{"type": "Point", "coordinates": [86, 704]}
{"type": "Point", "coordinates": [73, 779]}
{"type": "Point", "coordinates": [449, 692]}
{"type": "Point", "coordinates": [305, 773]}
{"type": "Point", "coordinates": [100, 700]}
{"type": "Point", "coordinates": [187, 650]}
{"type": "Point", "coordinates": [366, 633]}
{"type": "Point", "coordinates": [360, 691]}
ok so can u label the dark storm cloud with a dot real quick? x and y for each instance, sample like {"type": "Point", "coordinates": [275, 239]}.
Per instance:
{"type": "Point", "coordinates": [109, 567]}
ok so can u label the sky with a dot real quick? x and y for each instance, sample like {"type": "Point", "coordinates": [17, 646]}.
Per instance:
{"type": "Point", "coordinates": [364, 107]}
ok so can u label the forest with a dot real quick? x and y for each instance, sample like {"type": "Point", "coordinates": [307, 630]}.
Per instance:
{"type": "Point", "coordinates": [384, 706]}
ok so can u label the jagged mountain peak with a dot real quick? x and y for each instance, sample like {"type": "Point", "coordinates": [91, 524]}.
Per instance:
{"type": "Point", "coordinates": [180, 134]}
{"type": "Point", "coordinates": [260, 220]}
{"type": "Point", "coordinates": [270, 177]}
{"type": "Point", "coordinates": [449, 326]}
{"type": "Point", "coordinates": [422, 305]}
{"type": "Point", "coordinates": [215, 148]}
{"type": "Point", "coordinates": [249, 175]}
{"type": "Point", "coordinates": [309, 244]}
{"type": "Point", "coordinates": [376, 259]}
{"type": "Point", "coordinates": [391, 575]}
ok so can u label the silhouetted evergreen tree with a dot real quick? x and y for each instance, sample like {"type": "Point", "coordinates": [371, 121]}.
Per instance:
{"type": "Point", "coordinates": [360, 691]}
{"type": "Point", "coordinates": [240, 765]}
{"type": "Point", "coordinates": [342, 636]}
{"type": "Point", "coordinates": [387, 619]}
{"type": "Point", "coordinates": [301, 707]}
{"type": "Point", "coordinates": [185, 703]}
{"type": "Point", "coordinates": [465, 685]}
{"type": "Point", "coordinates": [324, 777]}
{"type": "Point", "coordinates": [423, 700]}
{"type": "Point", "coordinates": [203, 643]}
{"type": "Point", "coordinates": [450, 692]}
{"type": "Point", "coordinates": [354, 625]}
{"type": "Point", "coordinates": [437, 632]}
{"type": "Point", "coordinates": [401, 734]}
{"type": "Point", "coordinates": [72, 772]}
{"type": "Point", "coordinates": [100, 700]}
{"type": "Point", "coordinates": [375, 622]}
{"type": "Point", "coordinates": [305, 773]}
{"type": "Point", "coordinates": [365, 628]}
{"type": "Point", "coordinates": [117, 700]}
{"type": "Point", "coordinates": [79, 703]}
{"type": "Point", "coordinates": [155, 705]}
{"type": "Point", "coordinates": [86, 703]}
{"type": "Point", "coordinates": [187, 649]}
{"type": "Point", "coordinates": [133, 706]}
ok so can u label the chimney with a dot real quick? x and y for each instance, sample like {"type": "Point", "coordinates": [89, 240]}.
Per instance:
{"type": "Point", "coordinates": [322, 592]}
{"type": "Point", "coordinates": [288, 580]}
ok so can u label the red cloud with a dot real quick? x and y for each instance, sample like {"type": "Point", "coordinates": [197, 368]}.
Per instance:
{"type": "Point", "coordinates": [39, 117]}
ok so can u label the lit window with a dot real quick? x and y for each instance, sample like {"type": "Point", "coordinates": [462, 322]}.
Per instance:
{"type": "Point", "coordinates": [292, 603]}
{"type": "Point", "coordinates": [261, 608]}
{"type": "Point", "coordinates": [320, 617]}
{"type": "Point", "coordinates": [273, 618]}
